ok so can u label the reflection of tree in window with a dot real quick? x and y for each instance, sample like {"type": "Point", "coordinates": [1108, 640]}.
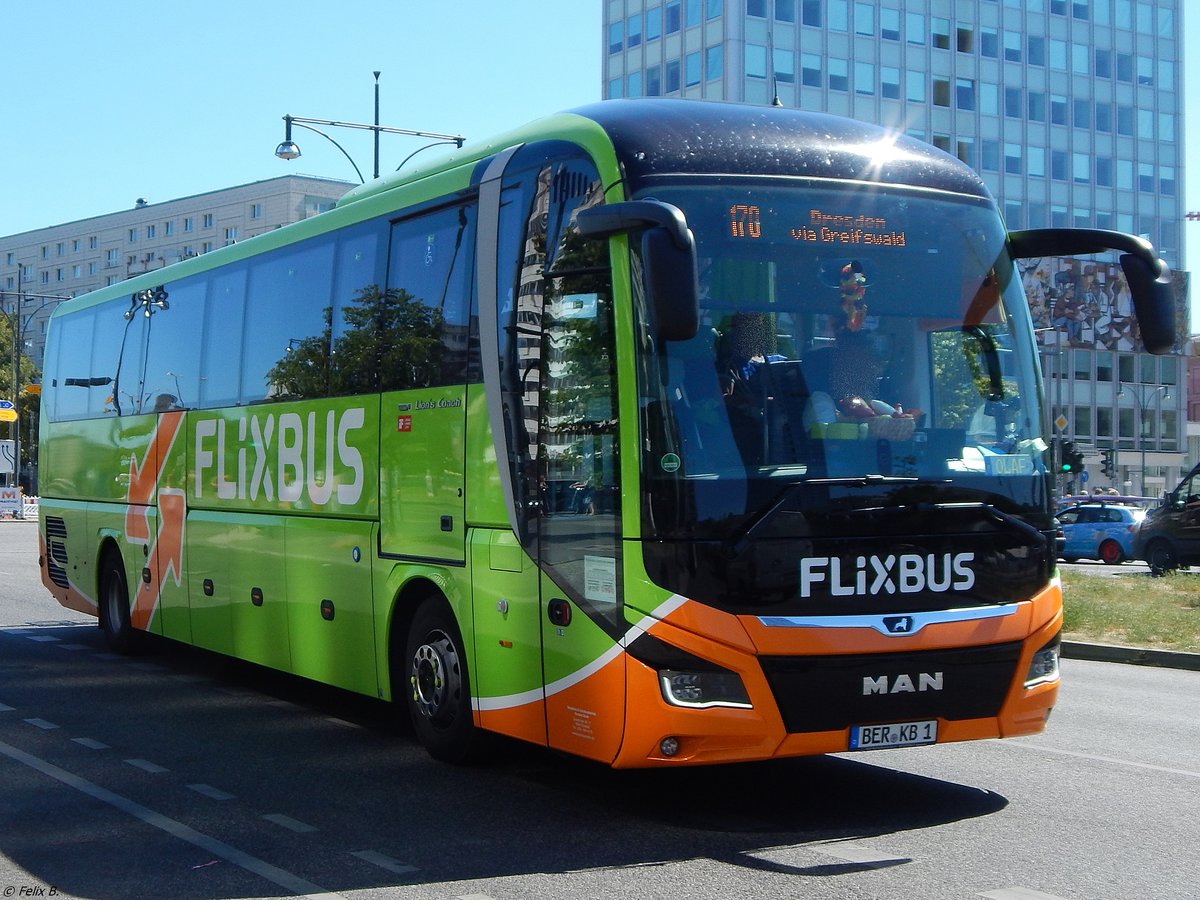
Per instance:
{"type": "Point", "coordinates": [392, 341]}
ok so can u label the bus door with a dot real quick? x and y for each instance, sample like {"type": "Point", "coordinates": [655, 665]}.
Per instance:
{"type": "Point", "coordinates": [423, 322]}
{"type": "Point", "coordinates": [548, 616]}
{"type": "Point", "coordinates": [579, 546]}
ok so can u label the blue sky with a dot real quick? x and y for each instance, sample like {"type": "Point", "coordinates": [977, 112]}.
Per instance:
{"type": "Point", "coordinates": [106, 103]}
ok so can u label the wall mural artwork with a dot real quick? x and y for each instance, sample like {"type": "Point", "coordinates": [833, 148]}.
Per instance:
{"type": "Point", "coordinates": [1087, 304]}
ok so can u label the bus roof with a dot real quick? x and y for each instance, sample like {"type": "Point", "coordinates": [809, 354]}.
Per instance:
{"type": "Point", "coordinates": [654, 137]}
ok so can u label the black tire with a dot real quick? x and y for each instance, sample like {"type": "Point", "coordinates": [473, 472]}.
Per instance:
{"type": "Point", "coordinates": [437, 685]}
{"type": "Point", "coordinates": [115, 620]}
{"type": "Point", "coordinates": [1161, 557]}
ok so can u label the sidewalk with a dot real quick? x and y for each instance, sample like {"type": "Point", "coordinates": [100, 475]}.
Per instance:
{"type": "Point", "coordinates": [1136, 656]}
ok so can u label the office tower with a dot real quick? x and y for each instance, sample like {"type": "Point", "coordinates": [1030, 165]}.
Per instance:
{"type": "Point", "coordinates": [1070, 110]}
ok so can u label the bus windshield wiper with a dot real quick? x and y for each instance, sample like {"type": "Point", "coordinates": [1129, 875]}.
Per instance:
{"type": "Point", "coordinates": [998, 515]}
{"type": "Point", "coordinates": [735, 545]}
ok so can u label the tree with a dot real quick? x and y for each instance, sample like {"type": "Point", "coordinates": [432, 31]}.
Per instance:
{"type": "Point", "coordinates": [28, 402]}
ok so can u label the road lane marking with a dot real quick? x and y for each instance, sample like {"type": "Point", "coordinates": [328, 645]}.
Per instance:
{"type": "Point", "coordinates": [5, 708]}
{"type": "Point", "coordinates": [227, 852]}
{"type": "Point", "coordinates": [385, 862]}
{"type": "Point", "coordinates": [146, 766]}
{"type": "Point", "coordinates": [290, 824]}
{"type": "Point", "coordinates": [1037, 748]}
{"type": "Point", "coordinates": [91, 743]}
{"type": "Point", "coordinates": [856, 853]}
{"type": "Point", "coordinates": [211, 792]}
{"type": "Point", "coordinates": [42, 724]}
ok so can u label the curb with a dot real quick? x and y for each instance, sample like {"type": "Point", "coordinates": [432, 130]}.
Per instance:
{"type": "Point", "coordinates": [1135, 656]}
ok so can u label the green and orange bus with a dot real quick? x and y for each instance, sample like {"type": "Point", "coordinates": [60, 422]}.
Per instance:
{"type": "Point", "coordinates": [657, 432]}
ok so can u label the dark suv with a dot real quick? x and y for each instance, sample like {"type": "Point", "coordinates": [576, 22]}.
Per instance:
{"type": "Point", "coordinates": [1169, 536]}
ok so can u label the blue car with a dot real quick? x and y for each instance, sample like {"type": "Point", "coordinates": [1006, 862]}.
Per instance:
{"type": "Point", "coordinates": [1102, 531]}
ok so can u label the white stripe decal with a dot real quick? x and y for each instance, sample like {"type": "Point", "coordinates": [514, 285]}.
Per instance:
{"type": "Point", "coordinates": [509, 701]}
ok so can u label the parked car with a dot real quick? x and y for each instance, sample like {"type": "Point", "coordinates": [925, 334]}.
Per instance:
{"type": "Point", "coordinates": [1170, 535]}
{"type": "Point", "coordinates": [1103, 531]}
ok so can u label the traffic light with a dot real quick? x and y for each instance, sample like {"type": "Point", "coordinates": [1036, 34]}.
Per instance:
{"type": "Point", "coordinates": [1072, 458]}
{"type": "Point", "coordinates": [1108, 467]}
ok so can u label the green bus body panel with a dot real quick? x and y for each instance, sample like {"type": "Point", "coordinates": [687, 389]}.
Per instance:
{"type": "Point", "coordinates": [91, 459]}
{"type": "Point", "coordinates": [422, 454]}
{"type": "Point", "coordinates": [208, 553]}
{"type": "Point", "coordinates": [485, 499]}
{"type": "Point", "coordinates": [508, 619]}
{"type": "Point", "coordinates": [331, 611]}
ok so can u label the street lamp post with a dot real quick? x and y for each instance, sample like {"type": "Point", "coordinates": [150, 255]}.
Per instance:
{"type": "Point", "coordinates": [1140, 399]}
{"type": "Point", "coordinates": [289, 149]}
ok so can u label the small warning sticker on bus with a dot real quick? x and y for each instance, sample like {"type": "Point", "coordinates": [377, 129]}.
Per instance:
{"type": "Point", "coordinates": [404, 423]}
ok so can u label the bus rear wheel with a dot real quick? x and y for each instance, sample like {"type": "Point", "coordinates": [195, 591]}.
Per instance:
{"type": "Point", "coordinates": [115, 620]}
{"type": "Point", "coordinates": [438, 688]}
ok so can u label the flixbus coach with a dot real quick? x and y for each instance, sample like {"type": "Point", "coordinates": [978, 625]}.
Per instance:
{"type": "Point", "coordinates": [657, 432]}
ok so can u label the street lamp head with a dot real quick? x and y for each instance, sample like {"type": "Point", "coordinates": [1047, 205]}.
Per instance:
{"type": "Point", "coordinates": [289, 149]}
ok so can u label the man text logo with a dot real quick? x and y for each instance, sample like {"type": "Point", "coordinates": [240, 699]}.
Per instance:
{"type": "Point", "coordinates": [906, 573]}
{"type": "Point", "coordinates": [902, 684]}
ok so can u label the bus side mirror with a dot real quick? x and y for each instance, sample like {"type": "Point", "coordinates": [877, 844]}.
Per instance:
{"type": "Point", "coordinates": [673, 285]}
{"type": "Point", "coordinates": [668, 254]}
{"type": "Point", "coordinates": [1150, 286]}
{"type": "Point", "coordinates": [1148, 277]}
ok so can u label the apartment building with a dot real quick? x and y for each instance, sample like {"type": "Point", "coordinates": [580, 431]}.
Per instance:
{"type": "Point", "coordinates": [44, 265]}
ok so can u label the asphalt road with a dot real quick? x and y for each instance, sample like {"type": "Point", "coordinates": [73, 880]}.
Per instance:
{"type": "Point", "coordinates": [179, 774]}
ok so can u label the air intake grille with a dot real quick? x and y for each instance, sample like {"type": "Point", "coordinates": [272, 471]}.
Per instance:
{"type": "Point", "coordinates": [56, 551]}
{"type": "Point", "coordinates": [827, 693]}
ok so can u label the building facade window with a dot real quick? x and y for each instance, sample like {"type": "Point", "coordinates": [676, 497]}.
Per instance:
{"type": "Point", "coordinates": [714, 63]}
{"type": "Point", "coordinates": [864, 18]}
{"type": "Point", "coordinates": [964, 94]}
{"type": "Point", "coordinates": [810, 69]}
{"type": "Point", "coordinates": [864, 78]}
{"type": "Point", "coordinates": [889, 24]}
{"type": "Point", "coordinates": [839, 75]}
{"type": "Point", "coordinates": [1035, 48]}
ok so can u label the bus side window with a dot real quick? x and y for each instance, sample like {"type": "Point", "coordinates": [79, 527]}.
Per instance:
{"type": "Point", "coordinates": [356, 281]}
{"type": "Point", "coordinates": [420, 323]}
{"type": "Point", "coordinates": [222, 342]}
{"type": "Point", "coordinates": [170, 378]}
{"type": "Point", "coordinates": [285, 348]}
{"type": "Point", "coordinates": [73, 397]}
{"type": "Point", "coordinates": [117, 347]}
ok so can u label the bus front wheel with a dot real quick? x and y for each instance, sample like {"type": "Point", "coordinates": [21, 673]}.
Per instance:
{"type": "Point", "coordinates": [115, 620]}
{"type": "Point", "coordinates": [438, 689]}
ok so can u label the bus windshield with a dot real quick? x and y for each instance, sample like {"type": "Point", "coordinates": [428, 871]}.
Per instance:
{"type": "Point", "coordinates": [859, 348]}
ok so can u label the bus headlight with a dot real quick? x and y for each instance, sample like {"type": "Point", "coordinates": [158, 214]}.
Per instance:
{"type": "Point", "coordinates": [1043, 667]}
{"type": "Point", "coordinates": [703, 689]}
